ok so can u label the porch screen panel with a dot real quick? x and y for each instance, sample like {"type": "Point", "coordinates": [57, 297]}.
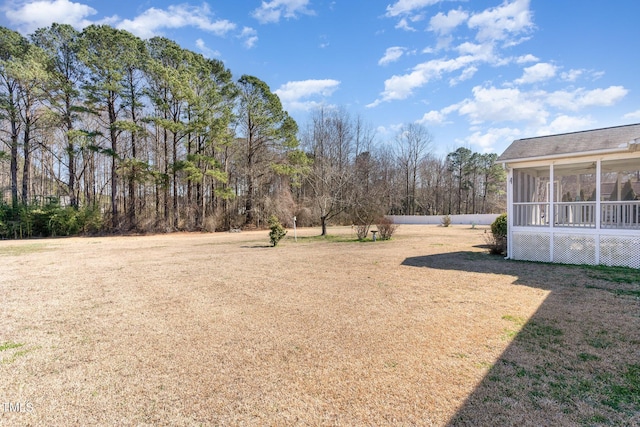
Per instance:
{"type": "Point", "coordinates": [620, 194]}
{"type": "Point", "coordinates": [530, 197]}
{"type": "Point", "coordinates": [575, 195]}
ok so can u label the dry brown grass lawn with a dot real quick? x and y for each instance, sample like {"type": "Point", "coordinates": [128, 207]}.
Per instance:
{"type": "Point", "coordinates": [220, 329]}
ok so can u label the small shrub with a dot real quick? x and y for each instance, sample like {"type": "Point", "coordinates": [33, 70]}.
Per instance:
{"type": "Point", "coordinates": [277, 230]}
{"type": "Point", "coordinates": [497, 241]}
{"type": "Point", "coordinates": [386, 228]}
{"type": "Point", "coordinates": [499, 226]}
{"type": "Point", "coordinates": [362, 231]}
{"type": "Point", "coordinates": [446, 221]}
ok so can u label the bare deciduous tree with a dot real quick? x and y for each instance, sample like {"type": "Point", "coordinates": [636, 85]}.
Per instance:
{"type": "Point", "coordinates": [412, 144]}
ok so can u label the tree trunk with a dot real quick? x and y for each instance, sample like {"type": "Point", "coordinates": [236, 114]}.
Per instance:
{"type": "Point", "coordinates": [15, 129]}
{"type": "Point", "coordinates": [114, 166]}
{"type": "Point", "coordinates": [175, 183]}
{"type": "Point", "coordinates": [323, 222]}
{"type": "Point", "coordinates": [26, 169]}
{"type": "Point", "coordinates": [199, 206]}
{"type": "Point", "coordinates": [71, 180]}
{"type": "Point", "coordinates": [14, 170]}
{"type": "Point", "coordinates": [131, 214]}
{"type": "Point", "coordinates": [248, 206]}
{"type": "Point", "coordinates": [249, 202]}
{"type": "Point", "coordinates": [166, 177]}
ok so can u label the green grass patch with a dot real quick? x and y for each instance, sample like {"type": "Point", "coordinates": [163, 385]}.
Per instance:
{"type": "Point", "coordinates": [518, 320]}
{"type": "Point", "coordinates": [509, 333]}
{"type": "Point", "coordinates": [587, 357]}
{"type": "Point", "coordinates": [626, 292]}
{"type": "Point", "coordinates": [15, 356]}
{"type": "Point", "coordinates": [537, 330]}
{"type": "Point", "coordinates": [6, 347]}
{"type": "Point", "coordinates": [330, 238]}
{"type": "Point", "coordinates": [613, 274]}
{"type": "Point", "coordinates": [626, 392]}
{"type": "Point", "coordinates": [620, 292]}
{"type": "Point", "coordinates": [600, 340]}
{"type": "Point", "coordinates": [596, 420]}
{"type": "Point", "coordinates": [10, 345]}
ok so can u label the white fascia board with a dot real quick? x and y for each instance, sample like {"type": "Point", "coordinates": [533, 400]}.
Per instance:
{"type": "Point", "coordinates": [582, 154]}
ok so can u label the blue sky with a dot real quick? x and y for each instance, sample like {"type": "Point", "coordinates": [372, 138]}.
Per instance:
{"type": "Point", "coordinates": [476, 73]}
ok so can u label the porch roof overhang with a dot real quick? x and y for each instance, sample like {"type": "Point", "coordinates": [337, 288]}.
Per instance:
{"type": "Point", "coordinates": [574, 156]}
{"type": "Point", "coordinates": [593, 143]}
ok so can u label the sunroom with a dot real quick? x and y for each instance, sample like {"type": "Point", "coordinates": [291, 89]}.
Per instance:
{"type": "Point", "coordinates": [575, 198]}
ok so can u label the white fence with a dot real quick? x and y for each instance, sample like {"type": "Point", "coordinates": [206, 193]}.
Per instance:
{"type": "Point", "coordinates": [477, 219]}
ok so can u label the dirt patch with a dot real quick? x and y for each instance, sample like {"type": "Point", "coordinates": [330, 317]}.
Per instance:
{"type": "Point", "coordinates": [220, 329]}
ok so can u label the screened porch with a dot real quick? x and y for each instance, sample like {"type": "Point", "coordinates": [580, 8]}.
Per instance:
{"type": "Point", "coordinates": [599, 194]}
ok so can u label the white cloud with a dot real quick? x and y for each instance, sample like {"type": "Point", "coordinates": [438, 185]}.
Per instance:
{"type": "Point", "coordinates": [502, 22]}
{"type": "Point", "coordinates": [295, 95]}
{"type": "Point", "coordinates": [324, 41]}
{"type": "Point", "coordinates": [401, 87]}
{"type": "Point", "coordinates": [151, 21]}
{"type": "Point", "coordinates": [481, 52]}
{"type": "Point", "coordinates": [601, 97]}
{"type": "Point", "coordinates": [496, 24]}
{"type": "Point", "coordinates": [635, 115]}
{"type": "Point", "coordinates": [250, 37]}
{"type": "Point", "coordinates": [571, 75]}
{"type": "Point", "coordinates": [495, 105]}
{"type": "Point", "coordinates": [273, 11]}
{"type": "Point", "coordinates": [30, 16]}
{"type": "Point", "coordinates": [403, 24]}
{"type": "Point", "coordinates": [207, 52]}
{"type": "Point", "coordinates": [432, 117]}
{"type": "Point", "coordinates": [444, 24]}
{"type": "Point", "coordinates": [581, 98]}
{"type": "Point", "coordinates": [493, 136]}
{"type": "Point", "coordinates": [499, 105]}
{"type": "Point", "coordinates": [392, 54]}
{"type": "Point", "coordinates": [564, 124]}
{"type": "Point", "coordinates": [466, 74]}
{"type": "Point", "coordinates": [526, 58]}
{"type": "Point", "coordinates": [405, 7]}
{"type": "Point", "coordinates": [537, 73]}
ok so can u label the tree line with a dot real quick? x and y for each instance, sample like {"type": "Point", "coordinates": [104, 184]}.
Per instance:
{"type": "Point", "coordinates": [100, 128]}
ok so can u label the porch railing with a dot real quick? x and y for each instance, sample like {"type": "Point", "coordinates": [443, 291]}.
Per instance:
{"type": "Point", "coordinates": [624, 214]}
{"type": "Point", "coordinates": [618, 215]}
{"type": "Point", "coordinates": [532, 214]}
{"type": "Point", "coordinates": [575, 214]}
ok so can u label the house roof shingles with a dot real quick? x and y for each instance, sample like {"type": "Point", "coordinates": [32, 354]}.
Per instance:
{"type": "Point", "coordinates": [571, 144]}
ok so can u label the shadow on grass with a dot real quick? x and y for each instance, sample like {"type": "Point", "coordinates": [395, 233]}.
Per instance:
{"type": "Point", "coordinates": [576, 361]}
